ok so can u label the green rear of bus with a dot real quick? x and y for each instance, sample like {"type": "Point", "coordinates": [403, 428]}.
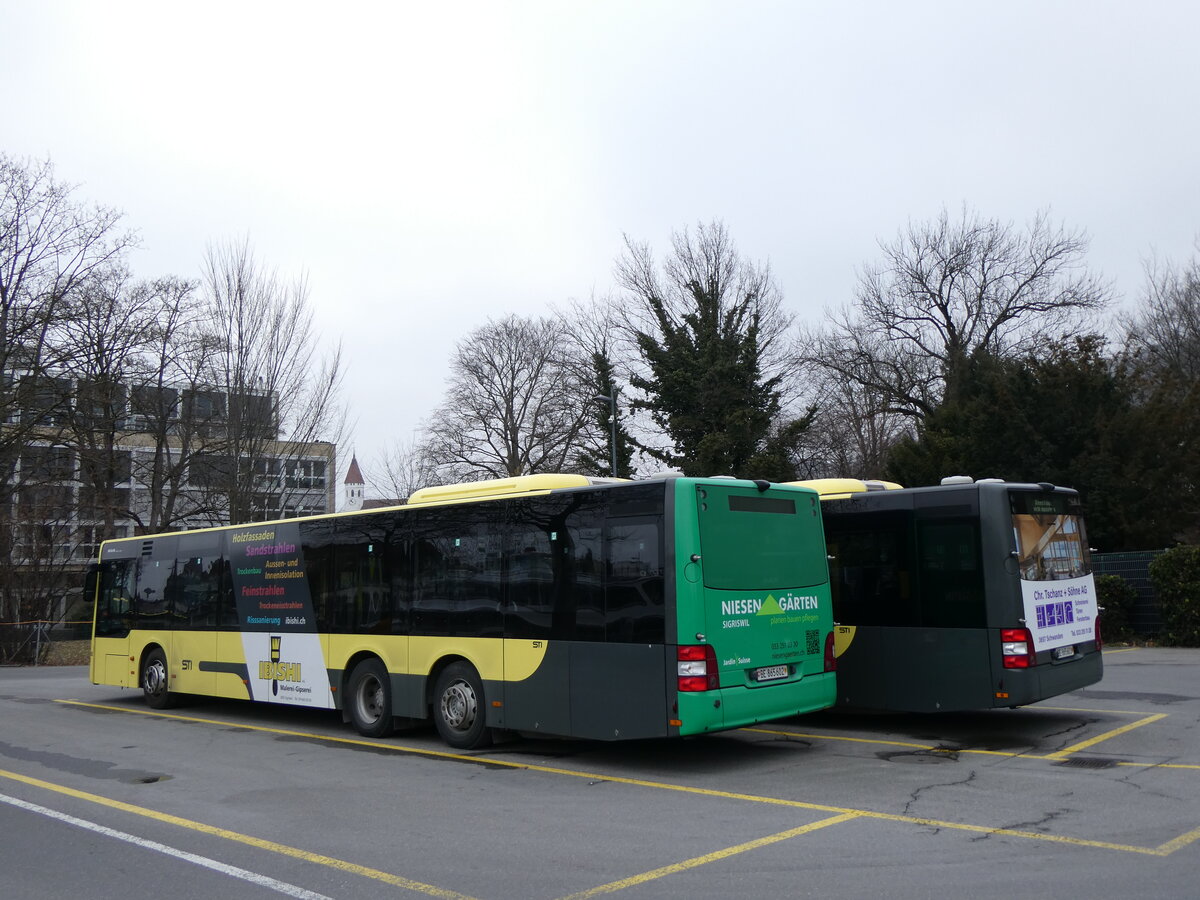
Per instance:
{"type": "Point", "coordinates": [755, 620]}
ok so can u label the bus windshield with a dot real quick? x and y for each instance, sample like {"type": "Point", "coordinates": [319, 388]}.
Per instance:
{"type": "Point", "coordinates": [1049, 537]}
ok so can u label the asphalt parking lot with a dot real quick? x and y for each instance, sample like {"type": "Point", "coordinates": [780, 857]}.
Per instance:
{"type": "Point", "coordinates": [1096, 791]}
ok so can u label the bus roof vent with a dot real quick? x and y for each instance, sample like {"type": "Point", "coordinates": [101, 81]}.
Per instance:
{"type": "Point", "coordinates": [989, 481]}
{"type": "Point", "coordinates": [665, 473]}
{"type": "Point", "coordinates": [958, 479]}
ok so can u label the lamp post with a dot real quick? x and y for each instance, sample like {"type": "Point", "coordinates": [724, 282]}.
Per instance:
{"type": "Point", "coordinates": [612, 422]}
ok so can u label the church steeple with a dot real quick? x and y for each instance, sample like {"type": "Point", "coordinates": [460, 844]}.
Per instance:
{"type": "Point", "coordinates": [354, 486]}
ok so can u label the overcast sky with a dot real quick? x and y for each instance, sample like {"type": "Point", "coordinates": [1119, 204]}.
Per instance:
{"type": "Point", "coordinates": [431, 165]}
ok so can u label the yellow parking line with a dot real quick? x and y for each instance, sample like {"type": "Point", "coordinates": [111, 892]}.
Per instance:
{"type": "Point", "coordinates": [1182, 841]}
{"type": "Point", "coordinates": [835, 737]}
{"type": "Point", "coordinates": [1160, 765]}
{"type": "Point", "coordinates": [1091, 742]}
{"type": "Point", "coordinates": [656, 785]}
{"type": "Point", "coordinates": [283, 849]}
{"type": "Point", "coordinates": [673, 868]}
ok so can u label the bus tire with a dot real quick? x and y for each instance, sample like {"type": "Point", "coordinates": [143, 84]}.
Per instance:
{"type": "Point", "coordinates": [156, 678]}
{"type": "Point", "coordinates": [458, 707]}
{"type": "Point", "coordinates": [371, 699]}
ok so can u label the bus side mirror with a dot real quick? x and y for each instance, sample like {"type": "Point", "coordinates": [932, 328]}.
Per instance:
{"type": "Point", "coordinates": [91, 581]}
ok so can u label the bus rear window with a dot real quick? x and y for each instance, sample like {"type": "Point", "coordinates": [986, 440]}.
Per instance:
{"type": "Point", "coordinates": [1049, 537]}
{"type": "Point", "coordinates": [750, 541]}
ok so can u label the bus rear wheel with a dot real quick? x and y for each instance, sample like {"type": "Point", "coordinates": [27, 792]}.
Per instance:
{"type": "Point", "coordinates": [458, 707]}
{"type": "Point", "coordinates": [371, 699]}
{"type": "Point", "coordinates": [156, 681]}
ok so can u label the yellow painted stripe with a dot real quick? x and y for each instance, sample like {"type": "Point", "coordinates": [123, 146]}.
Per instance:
{"type": "Point", "coordinates": [259, 843]}
{"type": "Point", "coordinates": [1115, 712]}
{"type": "Point", "coordinates": [637, 782]}
{"type": "Point", "coordinates": [694, 862]}
{"type": "Point", "coordinates": [1160, 765]}
{"type": "Point", "coordinates": [836, 737]}
{"type": "Point", "coordinates": [1108, 652]}
{"type": "Point", "coordinates": [1182, 841]}
{"type": "Point", "coordinates": [1091, 742]}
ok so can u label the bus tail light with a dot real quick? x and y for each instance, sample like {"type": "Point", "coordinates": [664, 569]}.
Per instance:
{"type": "Point", "coordinates": [1016, 648]}
{"type": "Point", "coordinates": [697, 667]}
{"type": "Point", "coordinates": [1099, 640]}
{"type": "Point", "coordinates": [830, 654]}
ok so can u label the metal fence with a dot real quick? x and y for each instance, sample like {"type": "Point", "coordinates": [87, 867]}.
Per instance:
{"type": "Point", "coordinates": [33, 642]}
{"type": "Point", "coordinates": [1134, 568]}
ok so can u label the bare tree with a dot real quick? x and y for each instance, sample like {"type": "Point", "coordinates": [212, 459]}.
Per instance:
{"type": "Point", "coordinates": [949, 289]}
{"type": "Point", "coordinates": [275, 385]}
{"type": "Point", "coordinates": [1166, 326]}
{"type": "Point", "coordinates": [405, 468]}
{"type": "Point", "coordinates": [51, 245]}
{"type": "Point", "coordinates": [605, 357]}
{"type": "Point", "coordinates": [514, 404]}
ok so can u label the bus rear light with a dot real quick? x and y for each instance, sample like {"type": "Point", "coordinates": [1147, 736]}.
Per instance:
{"type": "Point", "coordinates": [1099, 640]}
{"type": "Point", "coordinates": [1016, 647]}
{"type": "Point", "coordinates": [830, 654]}
{"type": "Point", "coordinates": [697, 668]}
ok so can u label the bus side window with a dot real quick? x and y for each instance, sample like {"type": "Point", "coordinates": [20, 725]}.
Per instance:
{"type": "Point", "coordinates": [870, 577]}
{"type": "Point", "coordinates": [951, 575]}
{"type": "Point", "coordinates": [634, 604]}
{"type": "Point", "coordinates": [529, 570]}
{"type": "Point", "coordinates": [153, 606]}
{"type": "Point", "coordinates": [581, 562]}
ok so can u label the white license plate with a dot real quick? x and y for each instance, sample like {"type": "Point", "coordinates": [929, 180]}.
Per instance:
{"type": "Point", "coordinates": [1064, 652]}
{"type": "Point", "coordinates": [769, 673]}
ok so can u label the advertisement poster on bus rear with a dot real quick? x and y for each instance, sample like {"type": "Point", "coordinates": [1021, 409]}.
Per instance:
{"type": "Point", "coordinates": [283, 653]}
{"type": "Point", "coordinates": [1060, 613]}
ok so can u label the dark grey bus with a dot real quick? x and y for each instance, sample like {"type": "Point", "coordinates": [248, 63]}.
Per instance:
{"type": "Point", "coordinates": [960, 596]}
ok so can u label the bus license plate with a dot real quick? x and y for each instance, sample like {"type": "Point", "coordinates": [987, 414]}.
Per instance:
{"type": "Point", "coordinates": [1064, 652]}
{"type": "Point", "coordinates": [770, 673]}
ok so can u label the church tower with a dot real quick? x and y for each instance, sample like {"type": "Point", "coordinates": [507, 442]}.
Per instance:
{"type": "Point", "coordinates": [354, 486]}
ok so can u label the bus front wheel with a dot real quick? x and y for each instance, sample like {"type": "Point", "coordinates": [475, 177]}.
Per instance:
{"type": "Point", "coordinates": [156, 681]}
{"type": "Point", "coordinates": [371, 699]}
{"type": "Point", "coordinates": [458, 707]}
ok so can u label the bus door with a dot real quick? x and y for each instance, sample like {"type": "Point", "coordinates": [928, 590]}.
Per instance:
{"type": "Point", "coordinates": [116, 590]}
{"type": "Point", "coordinates": [940, 664]}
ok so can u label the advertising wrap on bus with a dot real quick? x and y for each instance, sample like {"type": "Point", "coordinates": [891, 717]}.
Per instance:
{"type": "Point", "coordinates": [284, 656]}
{"type": "Point", "coordinates": [1060, 613]}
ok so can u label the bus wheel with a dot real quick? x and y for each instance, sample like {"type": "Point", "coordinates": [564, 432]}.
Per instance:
{"type": "Point", "coordinates": [156, 681]}
{"type": "Point", "coordinates": [371, 699]}
{"type": "Point", "coordinates": [458, 707]}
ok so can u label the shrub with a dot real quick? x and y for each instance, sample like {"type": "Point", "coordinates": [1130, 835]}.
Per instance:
{"type": "Point", "coordinates": [1116, 597]}
{"type": "Point", "coordinates": [1176, 579]}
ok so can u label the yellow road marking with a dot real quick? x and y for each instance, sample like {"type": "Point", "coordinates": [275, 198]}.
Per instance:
{"type": "Point", "coordinates": [1182, 841]}
{"type": "Point", "coordinates": [1091, 742]}
{"type": "Point", "coordinates": [673, 868]}
{"type": "Point", "coordinates": [1122, 650]}
{"type": "Point", "coordinates": [1115, 712]}
{"type": "Point", "coordinates": [836, 737]}
{"type": "Point", "coordinates": [283, 849]}
{"type": "Point", "coordinates": [656, 785]}
{"type": "Point", "coordinates": [1160, 765]}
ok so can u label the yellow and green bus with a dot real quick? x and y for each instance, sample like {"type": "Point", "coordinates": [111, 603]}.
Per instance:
{"type": "Point", "coordinates": [544, 604]}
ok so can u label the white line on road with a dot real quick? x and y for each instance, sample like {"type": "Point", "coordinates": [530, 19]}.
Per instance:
{"type": "Point", "coordinates": [263, 880]}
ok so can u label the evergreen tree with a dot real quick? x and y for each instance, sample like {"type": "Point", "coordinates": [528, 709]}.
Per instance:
{"type": "Point", "coordinates": [704, 332]}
